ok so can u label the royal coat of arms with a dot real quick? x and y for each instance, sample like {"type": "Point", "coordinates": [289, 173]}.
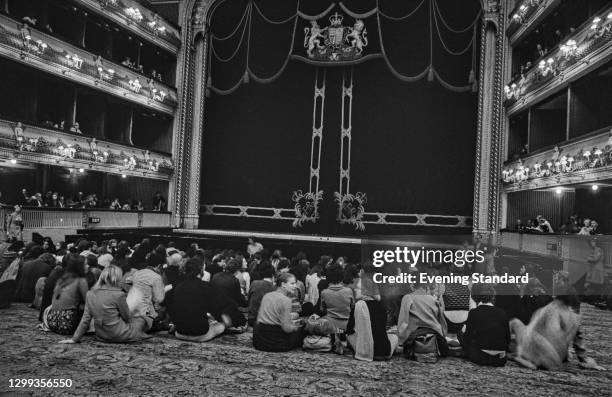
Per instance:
{"type": "Point", "coordinates": [335, 42]}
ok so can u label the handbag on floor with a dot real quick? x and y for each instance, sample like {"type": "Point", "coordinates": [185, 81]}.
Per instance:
{"type": "Point", "coordinates": [317, 343]}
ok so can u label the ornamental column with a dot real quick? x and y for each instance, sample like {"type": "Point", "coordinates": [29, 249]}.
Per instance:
{"type": "Point", "coordinates": [190, 118]}
{"type": "Point", "coordinates": [490, 121]}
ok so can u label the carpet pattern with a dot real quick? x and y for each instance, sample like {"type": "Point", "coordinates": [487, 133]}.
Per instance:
{"type": "Point", "coordinates": [230, 366]}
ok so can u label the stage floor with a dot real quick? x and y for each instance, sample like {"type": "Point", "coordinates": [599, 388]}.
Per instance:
{"type": "Point", "coordinates": [230, 365]}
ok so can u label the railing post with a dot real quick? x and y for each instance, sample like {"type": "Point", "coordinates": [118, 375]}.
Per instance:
{"type": "Point", "coordinates": [85, 219]}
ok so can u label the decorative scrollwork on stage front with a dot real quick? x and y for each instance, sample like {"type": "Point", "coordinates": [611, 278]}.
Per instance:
{"type": "Point", "coordinates": [306, 206]}
{"type": "Point", "coordinates": [335, 42]}
{"type": "Point", "coordinates": [352, 208]}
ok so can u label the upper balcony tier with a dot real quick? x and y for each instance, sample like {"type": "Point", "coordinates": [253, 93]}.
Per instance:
{"type": "Point", "coordinates": [41, 145]}
{"type": "Point", "coordinates": [582, 160]}
{"type": "Point", "coordinates": [49, 54]}
{"type": "Point", "coordinates": [137, 19]}
{"type": "Point", "coordinates": [526, 16]}
{"type": "Point", "coordinates": [583, 51]}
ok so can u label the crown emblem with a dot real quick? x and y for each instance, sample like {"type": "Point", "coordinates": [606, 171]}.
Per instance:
{"type": "Point", "coordinates": [336, 19]}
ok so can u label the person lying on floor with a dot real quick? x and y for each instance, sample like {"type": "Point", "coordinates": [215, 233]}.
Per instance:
{"type": "Point", "coordinates": [366, 330]}
{"type": "Point", "coordinates": [487, 333]}
{"type": "Point", "coordinates": [275, 330]}
{"type": "Point", "coordinates": [197, 311]}
{"type": "Point", "coordinates": [106, 304]}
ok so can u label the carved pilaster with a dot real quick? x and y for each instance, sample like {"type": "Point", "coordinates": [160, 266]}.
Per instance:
{"type": "Point", "coordinates": [191, 114]}
{"type": "Point", "coordinates": [490, 121]}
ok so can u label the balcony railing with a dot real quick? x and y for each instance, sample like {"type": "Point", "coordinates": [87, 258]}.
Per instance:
{"type": "Point", "coordinates": [584, 160]}
{"type": "Point", "coordinates": [584, 50]}
{"type": "Point", "coordinates": [526, 16]}
{"type": "Point", "coordinates": [572, 250]}
{"type": "Point", "coordinates": [52, 55]}
{"type": "Point", "coordinates": [76, 219]}
{"type": "Point", "coordinates": [133, 16]}
{"type": "Point", "coordinates": [35, 144]}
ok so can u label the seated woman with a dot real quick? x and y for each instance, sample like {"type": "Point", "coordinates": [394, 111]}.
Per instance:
{"type": "Point", "coordinates": [106, 304]}
{"type": "Point", "coordinates": [275, 331]}
{"type": "Point", "coordinates": [336, 300]}
{"type": "Point", "coordinates": [366, 331]}
{"type": "Point", "coordinates": [487, 332]}
{"type": "Point", "coordinates": [192, 301]}
{"type": "Point", "coordinates": [457, 303]}
{"type": "Point", "coordinates": [68, 298]}
{"type": "Point", "coordinates": [421, 313]}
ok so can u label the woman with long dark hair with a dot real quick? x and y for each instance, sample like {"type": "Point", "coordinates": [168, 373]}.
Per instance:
{"type": "Point", "coordinates": [69, 296]}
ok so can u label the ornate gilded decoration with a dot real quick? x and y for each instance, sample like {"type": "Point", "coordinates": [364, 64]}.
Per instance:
{"type": "Point", "coordinates": [335, 42]}
{"type": "Point", "coordinates": [306, 206]}
{"type": "Point", "coordinates": [352, 208]}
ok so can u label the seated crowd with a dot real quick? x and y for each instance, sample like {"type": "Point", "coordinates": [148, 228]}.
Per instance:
{"type": "Point", "coordinates": [53, 199]}
{"type": "Point", "coordinates": [573, 225]}
{"type": "Point", "coordinates": [125, 294]}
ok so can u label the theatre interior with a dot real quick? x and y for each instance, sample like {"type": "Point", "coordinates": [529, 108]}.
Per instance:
{"type": "Point", "coordinates": [310, 123]}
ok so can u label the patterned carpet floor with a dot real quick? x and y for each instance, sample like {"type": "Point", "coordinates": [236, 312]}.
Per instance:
{"type": "Point", "coordinates": [230, 366]}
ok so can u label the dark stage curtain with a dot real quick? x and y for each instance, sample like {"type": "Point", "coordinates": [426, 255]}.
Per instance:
{"type": "Point", "coordinates": [413, 143]}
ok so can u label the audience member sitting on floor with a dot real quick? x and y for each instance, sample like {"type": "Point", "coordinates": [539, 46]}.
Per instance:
{"type": "Point", "coordinates": [190, 303]}
{"type": "Point", "coordinates": [227, 284]}
{"type": "Point", "coordinates": [421, 313]}
{"type": "Point", "coordinates": [146, 294]}
{"type": "Point", "coordinates": [487, 334]}
{"type": "Point", "coordinates": [106, 304]}
{"type": "Point", "coordinates": [457, 303]}
{"type": "Point", "coordinates": [259, 288]}
{"type": "Point", "coordinates": [275, 330]}
{"type": "Point", "coordinates": [56, 274]}
{"type": "Point", "coordinates": [366, 331]}
{"type": "Point", "coordinates": [337, 300]}
{"type": "Point", "coordinates": [30, 272]}
{"type": "Point", "coordinates": [69, 296]}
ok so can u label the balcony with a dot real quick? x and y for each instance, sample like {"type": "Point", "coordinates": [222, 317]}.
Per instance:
{"type": "Point", "coordinates": [586, 159]}
{"type": "Point", "coordinates": [526, 16]}
{"type": "Point", "coordinates": [571, 250]}
{"type": "Point", "coordinates": [35, 219]}
{"type": "Point", "coordinates": [40, 145]}
{"type": "Point", "coordinates": [137, 19]}
{"type": "Point", "coordinates": [54, 56]}
{"type": "Point", "coordinates": [586, 49]}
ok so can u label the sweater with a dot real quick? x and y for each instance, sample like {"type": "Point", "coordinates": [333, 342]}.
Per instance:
{"type": "Point", "coordinates": [487, 328]}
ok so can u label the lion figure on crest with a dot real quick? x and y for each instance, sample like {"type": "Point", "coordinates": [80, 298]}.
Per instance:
{"type": "Point", "coordinates": [357, 37]}
{"type": "Point", "coordinates": [313, 38]}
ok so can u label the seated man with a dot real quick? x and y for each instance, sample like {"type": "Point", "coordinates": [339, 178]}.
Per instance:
{"type": "Point", "coordinates": [487, 333]}
{"type": "Point", "coordinates": [275, 331]}
{"type": "Point", "coordinates": [259, 288]}
{"type": "Point", "coordinates": [197, 312]}
{"type": "Point", "coordinates": [146, 294]}
{"type": "Point", "coordinates": [227, 284]}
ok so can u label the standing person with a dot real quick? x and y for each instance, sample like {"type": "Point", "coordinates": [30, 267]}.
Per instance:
{"type": "Point", "coordinates": [595, 276]}
{"type": "Point", "coordinates": [107, 305]}
{"type": "Point", "coordinates": [275, 331]}
{"type": "Point", "coordinates": [253, 247]}
{"type": "Point", "coordinates": [159, 202]}
{"type": "Point", "coordinates": [15, 224]}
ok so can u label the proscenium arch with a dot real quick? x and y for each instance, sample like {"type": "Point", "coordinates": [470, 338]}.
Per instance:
{"type": "Point", "coordinates": [192, 83]}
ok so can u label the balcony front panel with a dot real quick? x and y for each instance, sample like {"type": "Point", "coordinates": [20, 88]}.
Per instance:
{"type": "Point", "coordinates": [49, 54]}
{"type": "Point", "coordinates": [134, 17]}
{"type": "Point", "coordinates": [584, 51]}
{"type": "Point", "coordinates": [588, 159]}
{"type": "Point", "coordinates": [526, 16]}
{"type": "Point", "coordinates": [41, 145]}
